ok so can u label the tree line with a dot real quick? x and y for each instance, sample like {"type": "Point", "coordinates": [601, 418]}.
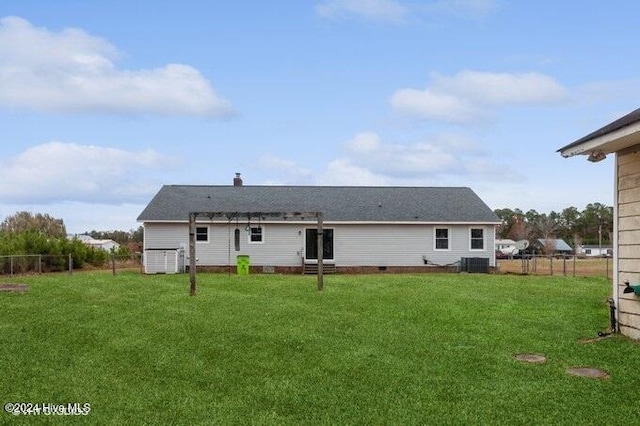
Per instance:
{"type": "Point", "coordinates": [591, 226]}
{"type": "Point", "coordinates": [25, 233]}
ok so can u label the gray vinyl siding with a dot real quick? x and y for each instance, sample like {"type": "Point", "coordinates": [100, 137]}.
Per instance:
{"type": "Point", "coordinates": [354, 244]}
{"type": "Point", "coordinates": [404, 245]}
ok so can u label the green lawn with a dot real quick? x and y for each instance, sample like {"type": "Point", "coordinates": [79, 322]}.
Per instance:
{"type": "Point", "coordinates": [271, 349]}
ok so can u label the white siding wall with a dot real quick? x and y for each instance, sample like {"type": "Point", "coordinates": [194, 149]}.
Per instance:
{"type": "Point", "coordinates": [354, 244]}
{"type": "Point", "coordinates": [404, 245]}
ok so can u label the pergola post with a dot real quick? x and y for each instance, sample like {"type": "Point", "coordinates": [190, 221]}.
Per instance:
{"type": "Point", "coordinates": [320, 251]}
{"type": "Point", "coordinates": [192, 253]}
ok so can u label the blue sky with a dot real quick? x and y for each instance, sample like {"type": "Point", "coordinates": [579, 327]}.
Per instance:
{"type": "Point", "coordinates": [103, 102]}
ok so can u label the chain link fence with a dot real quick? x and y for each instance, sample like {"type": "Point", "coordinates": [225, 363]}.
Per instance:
{"type": "Point", "coordinates": [20, 264]}
{"type": "Point", "coordinates": [568, 265]}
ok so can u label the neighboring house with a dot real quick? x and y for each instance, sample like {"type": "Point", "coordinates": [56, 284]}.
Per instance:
{"type": "Point", "coordinates": [107, 245]}
{"type": "Point", "coordinates": [621, 138]}
{"type": "Point", "coordinates": [594, 250]}
{"type": "Point", "coordinates": [557, 245]}
{"type": "Point", "coordinates": [365, 228]}
{"type": "Point", "coordinates": [506, 247]}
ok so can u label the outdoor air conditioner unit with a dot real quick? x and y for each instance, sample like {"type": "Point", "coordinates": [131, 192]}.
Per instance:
{"type": "Point", "coordinates": [474, 265]}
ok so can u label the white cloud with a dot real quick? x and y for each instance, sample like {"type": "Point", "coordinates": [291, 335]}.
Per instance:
{"type": "Point", "coordinates": [365, 143]}
{"type": "Point", "coordinates": [430, 105]}
{"type": "Point", "coordinates": [446, 159]}
{"type": "Point", "coordinates": [343, 172]}
{"type": "Point", "coordinates": [286, 170]}
{"type": "Point", "coordinates": [61, 172]}
{"type": "Point", "coordinates": [467, 95]}
{"type": "Point", "coordinates": [72, 71]}
{"type": "Point", "coordinates": [398, 160]}
{"type": "Point", "coordinates": [374, 10]}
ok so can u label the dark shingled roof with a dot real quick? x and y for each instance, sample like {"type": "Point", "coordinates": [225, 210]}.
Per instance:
{"type": "Point", "coordinates": [338, 203]}
{"type": "Point", "coordinates": [631, 118]}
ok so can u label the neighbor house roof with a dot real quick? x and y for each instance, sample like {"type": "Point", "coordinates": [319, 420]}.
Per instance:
{"type": "Point", "coordinates": [559, 244]}
{"type": "Point", "coordinates": [338, 203]}
{"type": "Point", "coordinates": [619, 134]}
{"type": "Point", "coordinates": [596, 246]}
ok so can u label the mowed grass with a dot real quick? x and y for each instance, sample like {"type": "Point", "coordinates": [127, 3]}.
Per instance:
{"type": "Point", "coordinates": [271, 349]}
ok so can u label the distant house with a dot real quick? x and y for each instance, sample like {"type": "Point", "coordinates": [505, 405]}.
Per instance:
{"type": "Point", "coordinates": [594, 250]}
{"type": "Point", "coordinates": [107, 245]}
{"type": "Point", "coordinates": [621, 138]}
{"type": "Point", "coordinates": [366, 229]}
{"type": "Point", "coordinates": [557, 245]}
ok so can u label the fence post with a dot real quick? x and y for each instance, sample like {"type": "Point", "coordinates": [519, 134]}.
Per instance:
{"type": "Point", "coordinates": [113, 264]}
{"type": "Point", "coordinates": [70, 264]}
{"type": "Point", "coordinates": [40, 264]}
{"type": "Point", "coordinates": [11, 263]}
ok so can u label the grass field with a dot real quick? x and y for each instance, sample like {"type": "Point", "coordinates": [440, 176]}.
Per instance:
{"type": "Point", "coordinates": [269, 349]}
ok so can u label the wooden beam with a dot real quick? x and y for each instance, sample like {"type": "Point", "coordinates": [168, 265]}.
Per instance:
{"type": "Point", "coordinates": [192, 253]}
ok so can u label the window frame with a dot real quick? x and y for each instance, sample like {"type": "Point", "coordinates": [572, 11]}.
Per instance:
{"type": "Point", "coordinates": [250, 235]}
{"type": "Point", "coordinates": [208, 233]}
{"type": "Point", "coordinates": [435, 238]}
{"type": "Point", "coordinates": [472, 239]}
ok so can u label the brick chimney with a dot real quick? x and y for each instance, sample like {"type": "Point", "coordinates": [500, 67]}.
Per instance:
{"type": "Point", "coordinates": [237, 181]}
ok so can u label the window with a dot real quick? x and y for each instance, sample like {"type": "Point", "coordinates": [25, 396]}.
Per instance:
{"type": "Point", "coordinates": [442, 239]}
{"type": "Point", "coordinates": [477, 239]}
{"type": "Point", "coordinates": [202, 234]}
{"type": "Point", "coordinates": [255, 234]}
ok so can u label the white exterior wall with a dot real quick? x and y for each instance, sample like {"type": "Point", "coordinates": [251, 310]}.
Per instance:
{"type": "Point", "coordinates": [354, 244]}
{"type": "Point", "coordinates": [405, 245]}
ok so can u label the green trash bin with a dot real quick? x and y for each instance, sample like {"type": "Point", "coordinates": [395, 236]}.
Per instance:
{"type": "Point", "coordinates": [242, 264]}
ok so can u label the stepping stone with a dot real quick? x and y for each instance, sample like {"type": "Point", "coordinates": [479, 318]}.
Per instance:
{"type": "Point", "coordinates": [531, 358]}
{"type": "Point", "coordinates": [18, 288]}
{"type": "Point", "coordinates": [594, 373]}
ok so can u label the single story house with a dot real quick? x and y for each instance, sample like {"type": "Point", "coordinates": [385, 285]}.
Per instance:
{"type": "Point", "coordinates": [106, 244]}
{"type": "Point", "coordinates": [622, 139]}
{"type": "Point", "coordinates": [593, 250]}
{"type": "Point", "coordinates": [365, 228]}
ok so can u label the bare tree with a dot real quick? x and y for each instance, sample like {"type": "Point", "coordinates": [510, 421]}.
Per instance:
{"type": "Point", "coordinates": [25, 221]}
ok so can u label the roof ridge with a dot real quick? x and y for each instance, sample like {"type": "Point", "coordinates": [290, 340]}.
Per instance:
{"type": "Point", "coordinates": [316, 186]}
